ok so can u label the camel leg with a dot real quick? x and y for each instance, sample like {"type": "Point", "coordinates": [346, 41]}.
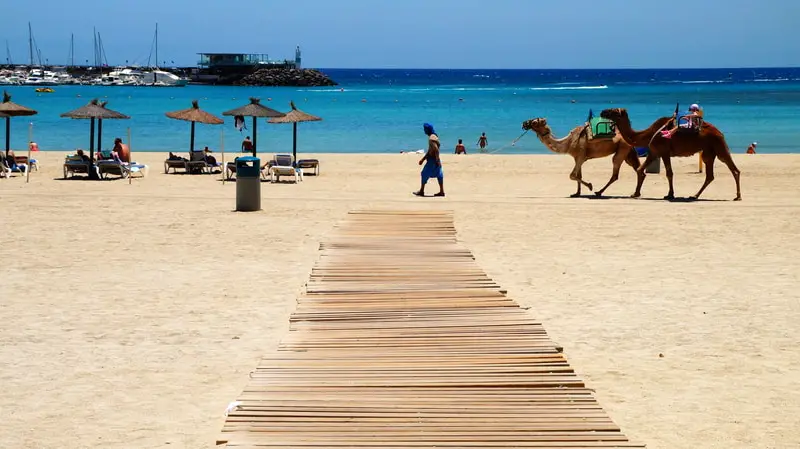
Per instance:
{"type": "Point", "coordinates": [633, 160]}
{"type": "Point", "coordinates": [668, 167]}
{"type": "Point", "coordinates": [576, 176]}
{"type": "Point", "coordinates": [618, 159]}
{"type": "Point", "coordinates": [708, 161]}
{"type": "Point", "coordinates": [727, 159]}
{"type": "Point", "coordinates": [641, 174]}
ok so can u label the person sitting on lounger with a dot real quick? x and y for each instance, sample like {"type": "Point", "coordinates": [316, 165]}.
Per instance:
{"type": "Point", "coordinates": [210, 160]}
{"type": "Point", "coordinates": [247, 145]}
{"type": "Point", "coordinates": [82, 155]}
{"type": "Point", "coordinates": [122, 150]}
{"type": "Point", "coordinates": [11, 162]}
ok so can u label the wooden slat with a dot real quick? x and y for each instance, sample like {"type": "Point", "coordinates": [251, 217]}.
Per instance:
{"type": "Point", "coordinates": [401, 341]}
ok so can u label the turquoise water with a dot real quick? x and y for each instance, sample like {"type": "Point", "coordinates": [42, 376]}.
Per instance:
{"type": "Point", "coordinates": [383, 111]}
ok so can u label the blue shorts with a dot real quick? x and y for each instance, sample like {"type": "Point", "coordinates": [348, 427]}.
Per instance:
{"type": "Point", "coordinates": [430, 170]}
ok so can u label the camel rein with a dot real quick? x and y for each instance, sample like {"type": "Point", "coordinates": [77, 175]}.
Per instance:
{"type": "Point", "coordinates": [513, 143]}
{"type": "Point", "coordinates": [659, 130]}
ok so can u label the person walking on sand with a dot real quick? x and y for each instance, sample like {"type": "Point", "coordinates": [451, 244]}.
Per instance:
{"type": "Point", "coordinates": [247, 145]}
{"type": "Point", "coordinates": [433, 164]}
{"type": "Point", "coordinates": [483, 141]}
{"type": "Point", "coordinates": [460, 148]}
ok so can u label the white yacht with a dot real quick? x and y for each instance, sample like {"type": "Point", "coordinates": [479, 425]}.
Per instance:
{"type": "Point", "coordinates": [160, 78]}
{"type": "Point", "coordinates": [39, 77]}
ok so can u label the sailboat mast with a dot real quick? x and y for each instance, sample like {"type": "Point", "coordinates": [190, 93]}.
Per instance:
{"type": "Point", "coordinates": [9, 60]}
{"type": "Point", "coordinates": [156, 44]}
{"type": "Point", "coordinates": [94, 44]}
{"type": "Point", "coordinates": [71, 61]}
{"type": "Point", "coordinates": [99, 49]}
{"type": "Point", "coordinates": [30, 41]}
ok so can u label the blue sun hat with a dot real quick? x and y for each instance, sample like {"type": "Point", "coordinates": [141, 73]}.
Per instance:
{"type": "Point", "coordinates": [428, 128]}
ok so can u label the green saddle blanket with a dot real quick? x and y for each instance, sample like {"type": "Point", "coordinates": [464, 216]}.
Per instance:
{"type": "Point", "coordinates": [601, 128]}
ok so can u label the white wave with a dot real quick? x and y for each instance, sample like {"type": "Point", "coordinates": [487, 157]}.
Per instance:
{"type": "Point", "coordinates": [769, 80]}
{"type": "Point", "coordinates": [570, 88]}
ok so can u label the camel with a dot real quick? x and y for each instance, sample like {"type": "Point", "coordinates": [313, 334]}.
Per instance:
{"type": "Point", "coordinates": [708, 139]}
{"type": "Point", "coordinates": [578, 145]}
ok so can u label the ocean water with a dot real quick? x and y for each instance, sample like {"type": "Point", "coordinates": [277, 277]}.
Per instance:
{"type": "Point", "coordinates": [382, 111]}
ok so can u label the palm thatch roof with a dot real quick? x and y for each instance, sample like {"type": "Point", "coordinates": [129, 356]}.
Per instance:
{"type": "Point", "coordinates": [195, 114]}
{"type": "Point", "coordinates": [296, 116]}
{"type": "Point", "coordinates": [254, 109]}
{"type": "Point", "coordinates": [3, 115]}
{"type": "Point", "coordinates": [12, 109]}
{"type": "Point", "coordinates": [96, 110]}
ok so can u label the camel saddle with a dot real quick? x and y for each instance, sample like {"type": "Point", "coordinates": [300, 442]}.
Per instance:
{"type": "Point", "coordinates": [689, 125]}
{"type": "Point", "coordinates": [600, 128]}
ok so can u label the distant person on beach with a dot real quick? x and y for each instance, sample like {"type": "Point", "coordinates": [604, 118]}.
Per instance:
{"type": "Point", "coordinates": [752, 148]}
{"type": "Point", "coordinates": [693, 119]}
{"type": "Point", "coordinates": [433, 164]}
{"type": "Point", "coordinates": [460, 148]}
{"type": "Point", "coordinates": [483, 141]}
{"type": "Point", "coordinates": [33, 146]}
{"type": "Point", "coordinates": [247, 145]}
{"type": "Point", "coordinates": [210, 160]}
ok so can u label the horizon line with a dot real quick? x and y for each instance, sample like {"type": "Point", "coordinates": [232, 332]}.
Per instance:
{"type": "Point", "coordinates": [559, 68]}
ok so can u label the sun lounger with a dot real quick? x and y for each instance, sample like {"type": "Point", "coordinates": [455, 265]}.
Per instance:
{"type": "Point", "coordinates": [123, 170]}
{"type": "Point", "coordinates": [74, 164]}
{"type": "Point", "coordinates": [230, 170]}
{"type": "Point", "coordinates": [283, 166]}
{"type": "Point", "coordinates": [312, 164]}
{"type": "Point", "coordinates": [175, 164]}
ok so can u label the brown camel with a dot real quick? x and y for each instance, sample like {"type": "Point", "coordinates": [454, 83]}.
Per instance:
{"type": "Point", "coordinates": [578, 145]}
{"type": "Point", "coordinates": [708, 139]}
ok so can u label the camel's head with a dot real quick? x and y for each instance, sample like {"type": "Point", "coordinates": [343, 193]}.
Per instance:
{"type": "Point", "coordinates": [538, 125]}
{"type": "Point", "coordinates": [614, 114]}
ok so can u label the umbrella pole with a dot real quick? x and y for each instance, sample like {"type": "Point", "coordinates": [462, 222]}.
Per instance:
{"type": "Point", "coordinates": [191, 142]}
{"type": "Point", "coordinates": [99, 135]}
{"type": "Point", "coordinates": [91, 140]}
{"type": "Point", "coordinates": [8, 135]}
{"type": "Point", "coordinates": [294, 143]}
{"type": "Point", "coordinates": [222, 152]}
{"type": "Point", "coordinates": [255, 135]}
{"type": "Point", "coordinates": [92, 174]}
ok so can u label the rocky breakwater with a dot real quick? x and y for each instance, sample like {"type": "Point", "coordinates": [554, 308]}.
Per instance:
{"type": "Point", "coordinates": [286, 77]}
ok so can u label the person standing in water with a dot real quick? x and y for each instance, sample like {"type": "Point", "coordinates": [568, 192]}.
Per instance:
{"type": "Point", "coordinates": [483, 141]}
{"type": "Point", "coordinates": [460, 148]}
{"type": "Point", "coordinates": [433, 164]}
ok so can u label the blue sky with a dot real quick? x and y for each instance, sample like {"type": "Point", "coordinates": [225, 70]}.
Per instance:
{"type": "Point", "coordinates": [419, 33]}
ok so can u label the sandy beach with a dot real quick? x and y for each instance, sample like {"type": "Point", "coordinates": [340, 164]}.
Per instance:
{"type": "Point", "coordinates": [133, 313]}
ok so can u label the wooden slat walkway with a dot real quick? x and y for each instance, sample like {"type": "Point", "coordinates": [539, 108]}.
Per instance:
{"type": "Point", "coordinates": [401, 341]}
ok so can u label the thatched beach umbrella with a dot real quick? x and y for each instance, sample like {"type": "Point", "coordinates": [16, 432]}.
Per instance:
{"type": "Point", "coordinates": [94, 110]}
{"type": "Point", "coordinates": [255, 109]}
{"type": "Point", "coordinates": [9, 109]}
{"type": "Point", "coordinates": [294, 117]}
{"type": "Point", "coordinates": [194, 115]}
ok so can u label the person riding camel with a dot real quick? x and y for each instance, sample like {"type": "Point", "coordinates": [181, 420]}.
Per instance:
{"type": "Point", "coordinates": [693, 120]}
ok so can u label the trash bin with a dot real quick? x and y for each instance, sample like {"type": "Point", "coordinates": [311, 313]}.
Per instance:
{"type": "Point", "coordinates": [654, 167]}
{"type": "Point", "coordinates": [248, 184]}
